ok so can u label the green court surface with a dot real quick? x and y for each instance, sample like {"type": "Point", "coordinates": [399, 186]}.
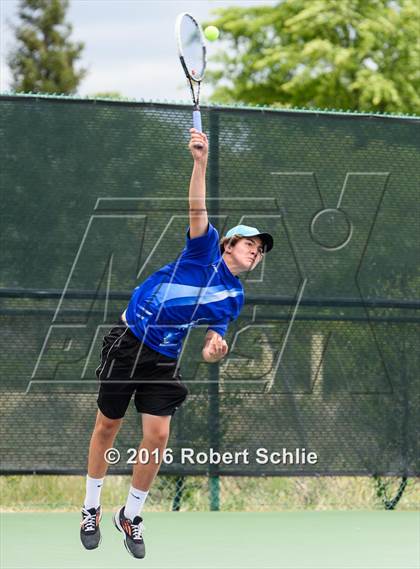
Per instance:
{"type": "Point", "coordinates": [287, 540]}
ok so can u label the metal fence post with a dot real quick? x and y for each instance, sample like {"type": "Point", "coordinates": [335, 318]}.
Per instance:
{"type": "Point", "coordinates": [213, 419]}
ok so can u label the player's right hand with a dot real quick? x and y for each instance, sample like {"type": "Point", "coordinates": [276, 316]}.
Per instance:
{"type": "Point", "coordinates": [199, 145]}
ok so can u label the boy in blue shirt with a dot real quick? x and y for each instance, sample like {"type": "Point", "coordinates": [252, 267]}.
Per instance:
{"type": "Point", "coordinates": [140, 355]}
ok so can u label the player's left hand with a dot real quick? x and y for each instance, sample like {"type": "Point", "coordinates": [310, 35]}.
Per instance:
{"type": "Point", "coordinates": [215, 349]}
{"type": "Point", "coordinates": [198, 139]}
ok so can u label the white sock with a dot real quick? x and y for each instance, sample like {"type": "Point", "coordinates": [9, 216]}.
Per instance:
{"type": "Point", "coordinates": [93, 492]}
{"type": "Point", "coordinates": [135, 502]}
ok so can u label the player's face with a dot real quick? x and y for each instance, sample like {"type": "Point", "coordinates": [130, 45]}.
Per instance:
{"type": "Point", "coordinates": [248, 252]}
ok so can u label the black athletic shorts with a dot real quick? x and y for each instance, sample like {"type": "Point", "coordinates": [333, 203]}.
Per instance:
{"type": "Point", "coordinates": [129, 366]}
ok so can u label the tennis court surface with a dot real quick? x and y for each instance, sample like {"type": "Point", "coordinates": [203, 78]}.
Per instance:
{"type": "Point", "coordinates": [286, 540]}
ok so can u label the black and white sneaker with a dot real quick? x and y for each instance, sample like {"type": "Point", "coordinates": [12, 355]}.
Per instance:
{"type": "Point", "coordinates": [133, 533]}
{"type": "Point", "coordinates": [90, 534]}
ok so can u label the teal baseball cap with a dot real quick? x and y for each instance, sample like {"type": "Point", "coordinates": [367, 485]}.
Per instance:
{"type": "Point", "coordinates": [247, 231]}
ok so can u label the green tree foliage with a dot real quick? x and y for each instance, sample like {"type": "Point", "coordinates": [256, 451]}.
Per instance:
{"type": "Point", "coordinates": [44, 58]}
{"type": "Point", "coordinates": [357, 55]}
{"type": "Point", "coordinates": [107, 95]}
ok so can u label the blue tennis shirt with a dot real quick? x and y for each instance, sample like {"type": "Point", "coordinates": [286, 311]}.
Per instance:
{"type": "Point", "coordinates": [196, 289]}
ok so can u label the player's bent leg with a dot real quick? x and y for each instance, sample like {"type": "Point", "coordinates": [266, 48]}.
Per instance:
{"type": "Point", "coordinates": [103, 437]}
{"type": "Point", "coordinates": [128, 519]}
{"type": "Point", "coordinates": [155, 438]}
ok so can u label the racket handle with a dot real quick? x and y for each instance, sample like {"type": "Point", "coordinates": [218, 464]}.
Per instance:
{"type": "Point", "coordinates": [197, 121]}
{"type": "Point", "coordinates": [197, 125]}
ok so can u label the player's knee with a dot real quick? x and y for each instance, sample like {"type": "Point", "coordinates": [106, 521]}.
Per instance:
{"type": "Point", "coordinates": [158, 436]}
{"type": "Point", "coordinates": [106, 427]}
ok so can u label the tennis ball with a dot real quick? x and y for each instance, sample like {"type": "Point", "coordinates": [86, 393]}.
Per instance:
{"type": "Point", "coordinates": [211, 33]}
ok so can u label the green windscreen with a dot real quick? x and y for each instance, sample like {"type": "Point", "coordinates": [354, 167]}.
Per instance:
{"type": "Point", "coordinates": [324, 358]}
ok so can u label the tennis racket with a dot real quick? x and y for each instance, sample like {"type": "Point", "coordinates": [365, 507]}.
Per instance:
{"type": "Point", "coordinates": [192, 55]}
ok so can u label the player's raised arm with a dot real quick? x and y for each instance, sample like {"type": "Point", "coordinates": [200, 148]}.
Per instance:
{"type": "Point", "coordinates": [197, 194]}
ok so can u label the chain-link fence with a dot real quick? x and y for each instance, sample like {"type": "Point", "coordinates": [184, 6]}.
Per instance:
{"type": "Point", "coordinates": [323, 359]}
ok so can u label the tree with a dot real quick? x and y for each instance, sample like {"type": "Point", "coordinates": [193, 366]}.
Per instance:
{"type": "Point", "coordinates": [44, 58]}
{"type": "Point", "coordinates": [107, 95]}
{"type": "Point", "coordinates": [355, 55]}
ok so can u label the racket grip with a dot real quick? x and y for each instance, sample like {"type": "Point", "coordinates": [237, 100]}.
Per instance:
{"type": "Point", "coordinates": [197, 121]}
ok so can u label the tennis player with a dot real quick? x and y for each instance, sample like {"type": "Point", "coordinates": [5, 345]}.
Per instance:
{"type": "Point", "coordinates": [139, 356]}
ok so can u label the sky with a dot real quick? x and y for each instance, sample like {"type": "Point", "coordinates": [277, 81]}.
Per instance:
{"type": "Point", "coordinates": [129, 44]}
